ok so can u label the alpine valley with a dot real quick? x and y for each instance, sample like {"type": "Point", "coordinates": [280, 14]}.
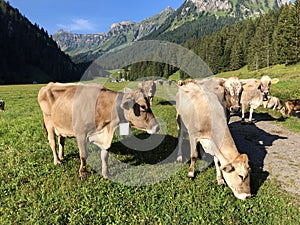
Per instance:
{"type": "Point", "coordinates": [192, 20]}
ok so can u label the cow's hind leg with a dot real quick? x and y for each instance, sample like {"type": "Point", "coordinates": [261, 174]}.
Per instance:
{"type": "Point", "coordinates": [83, 153]}
{"type": "Point", "coordinates": [52, 143]}
{"type": "Point", "coordinates": [194, 155]}
{"type": "Point", "coordinates": [61, 145]}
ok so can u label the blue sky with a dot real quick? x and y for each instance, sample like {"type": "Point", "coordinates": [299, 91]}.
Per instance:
{"type": "Point", "coordinates": [88, 16]}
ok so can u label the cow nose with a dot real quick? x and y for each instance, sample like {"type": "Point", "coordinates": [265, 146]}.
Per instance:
{"type": "Point", "coordinates": [234, 109]}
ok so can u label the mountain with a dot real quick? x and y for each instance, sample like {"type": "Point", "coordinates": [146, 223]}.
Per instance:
{"type": "Point", "coordinates": [87, 47]}
{"type": "Point", "coordinates": [192, 20]}
{"type": "Point", "coordinates": [196, 18]}
{"type": "Point", "coordinates": [28, 54]}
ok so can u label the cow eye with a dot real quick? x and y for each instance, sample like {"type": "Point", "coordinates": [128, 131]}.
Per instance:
{"type": "Point", "coordinates": [143, 108]}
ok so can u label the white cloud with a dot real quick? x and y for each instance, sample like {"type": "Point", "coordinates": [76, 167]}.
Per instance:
{"type": "Point", "coordinates": [82, 25]}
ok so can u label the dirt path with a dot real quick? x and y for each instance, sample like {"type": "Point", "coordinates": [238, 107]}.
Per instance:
{"type": "Point", "coordinates": [270, 148]}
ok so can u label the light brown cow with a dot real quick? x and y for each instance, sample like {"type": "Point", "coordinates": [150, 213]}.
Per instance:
{"type": "Point", "coordinates": [90, 112]}
{"type": "Point", "coordinates": [274, 103]}
{"type": "Point", "coordinates": [200, 111]}
{"type": "Point", "coordinates": [149, 88]}
{"type": "Point", "coordinates": [229, 90]}
{"type": "Point", "coordinates": [254, 93]}
{"type": "Point", "coordinates": [292, 105]}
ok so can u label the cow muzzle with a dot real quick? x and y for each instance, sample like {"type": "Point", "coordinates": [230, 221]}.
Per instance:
{"type": "Point", "coordinates": [234, 109]}
{"type": "Point", "coordinates": [153, 127]}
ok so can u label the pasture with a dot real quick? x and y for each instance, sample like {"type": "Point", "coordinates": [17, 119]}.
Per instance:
{"type": "Point", "coordinates": [35, 191]}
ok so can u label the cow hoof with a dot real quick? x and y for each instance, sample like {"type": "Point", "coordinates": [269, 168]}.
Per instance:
{"type": "Point", "coordinates": [56, 162]}
{"type": "Point", "coordinates": [83, 175]}
{"type": "Point", "coordinates": [191, 175]}
{"type": "Point", "coordinates": [105, 177]}
{"type": "Point", "coordinates": [179, 159]}
{"type": "Point", "coordinates": [221, 182]}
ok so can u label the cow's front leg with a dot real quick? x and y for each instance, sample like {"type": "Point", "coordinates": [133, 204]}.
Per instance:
{"type": "Point", "coordinates": [250, 115]}
{"type": "Point", "coordinates": [243, 114]}
{"type": "Point", "coordinates": [104, 159]}
{"type": "Point", "coordinates": [219, 172]}
{"type": "Point", "coordinates": [194, 155]}
{"type": "Point", "coordinates": [61, 145]}
{"type": "Point", "coordinates": [83, 153]}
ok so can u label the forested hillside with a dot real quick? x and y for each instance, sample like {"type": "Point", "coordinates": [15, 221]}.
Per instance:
{"type": "Point", "coordinates": [270, 39]}
{"type": "Point", "coordinates": [28, 54]}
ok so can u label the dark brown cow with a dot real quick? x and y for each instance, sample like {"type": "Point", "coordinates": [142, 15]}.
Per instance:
{"type": "Point", "coordinates": [292, 105]}
{"type": "Point", "coordinates": [90, 112]}
{"type": "Point", "coordinates": [2, 104]}
{"type": "Point", "coordinates": [202, 114]}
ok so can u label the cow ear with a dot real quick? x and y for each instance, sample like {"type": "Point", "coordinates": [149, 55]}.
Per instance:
{"type": "Point", "coordinates": [227, 168]}
{"type": "Point", "coordinates": [274, 80]}
{"type": "Point", "coordinates": [221, 81]}
{"type": "Point", "coordinates": [127, 90]}
{"type": "Point", "coordinates": [127, 104]}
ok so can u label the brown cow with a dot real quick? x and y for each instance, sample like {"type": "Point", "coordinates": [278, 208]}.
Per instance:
{"type": "Point", "coordinates": [149, 88]}
{"type": "Point", "coordinates": [292, 105]}
{"type": "Point", "coordinates": [274, 103]}
{"type": "Point", "coordinates": [90, 112]}
{"type": "Point", "coordinates": [254, 93]}
{"type": "Point", "coordinates": [2, 104]}
{"type": "Point", "coordinates": [200, 111]}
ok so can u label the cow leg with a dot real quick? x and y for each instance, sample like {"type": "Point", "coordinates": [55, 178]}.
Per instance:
{"type": "Point", "coordinates": [243, 113]}
{"type": "Point", "coordinates": [61, 145]}
{"type": "Point", "coordinates": [194, 155]}
{"type": "Point", "coordinates": [250, 115]}
{"type": "Point", "coordinates": [219, 172]}
{"type": "Point", "coordinates": [83, 153]}
{"type": "Point", "coordinates": [104, 159]}
{"type": "Point", "coordinates": [52, 143]}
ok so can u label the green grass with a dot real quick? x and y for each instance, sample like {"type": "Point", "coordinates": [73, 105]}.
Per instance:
{"type": "Point", "coordinates": [288, 87]}
{"type": "Point", "coordinates": [34, 191]}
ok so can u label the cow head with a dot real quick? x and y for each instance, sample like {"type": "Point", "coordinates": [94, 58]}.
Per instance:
{"type": "Point", "coordinates": [138, 112]}
{"type": "Point", "coordinates": [232, 93]}
{"type": "Point", "coordinates": [237, 176]}
{"type": "Point", "coordinates": [265, 84]}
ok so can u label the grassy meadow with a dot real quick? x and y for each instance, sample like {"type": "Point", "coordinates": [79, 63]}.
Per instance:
{"type": "Point", "coordinates": [35, 191]}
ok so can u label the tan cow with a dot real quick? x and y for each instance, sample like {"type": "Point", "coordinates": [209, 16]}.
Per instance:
{"type": "Point", "coordinates": [254, 93]}
{"type": "Point", "coordinates": [229, 90]}
{"type": "Point", "coordinates": [274, 103]}
{"type": "Point", "coordinates": [200, 111]}
{"type": "Point", "coordinates": [91, 113]}
{"type": "Point", "coordinates": [292, 105]}
{"type": "Point", "coordinates": [149, 88]}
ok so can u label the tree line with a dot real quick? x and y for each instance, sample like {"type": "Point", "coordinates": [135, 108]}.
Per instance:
{"type": "Point", "coordinates": [273, 38]}
{"type": "Point", "coordinates": [28, 54]}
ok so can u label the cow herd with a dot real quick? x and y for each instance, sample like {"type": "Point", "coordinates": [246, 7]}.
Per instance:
{"type": "Point", "coordinates": [91, 113]}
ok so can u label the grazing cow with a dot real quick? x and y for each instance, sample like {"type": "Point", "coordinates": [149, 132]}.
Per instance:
{"type": "Point", "coordinates": [202, 114]}
{"type": "Point", "coordinates": [274, 103]}
{"type": "Point", "coordinates": [149, 88]}
{"type": "Point", "coordinates": [292, 105]}
{"type": "Point", "coordinates": [254, 93]}
{"type": "Point", "coordinates": [91, 113]}
{"type": "Point", "coordinates": [2, 104]}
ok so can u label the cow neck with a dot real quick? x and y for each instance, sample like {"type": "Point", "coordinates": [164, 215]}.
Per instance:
{"type": "Point", "coordinates": [120, 111]}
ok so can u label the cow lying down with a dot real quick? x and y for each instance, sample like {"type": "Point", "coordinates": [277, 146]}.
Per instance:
{"type": "Point", "coordinates": [91, 113]}
{"type": "Point", "coordinates": [202, 114]}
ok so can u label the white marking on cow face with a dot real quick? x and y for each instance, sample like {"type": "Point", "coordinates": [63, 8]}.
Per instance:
{"type": "Point", "coordinates": [233, 90]}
